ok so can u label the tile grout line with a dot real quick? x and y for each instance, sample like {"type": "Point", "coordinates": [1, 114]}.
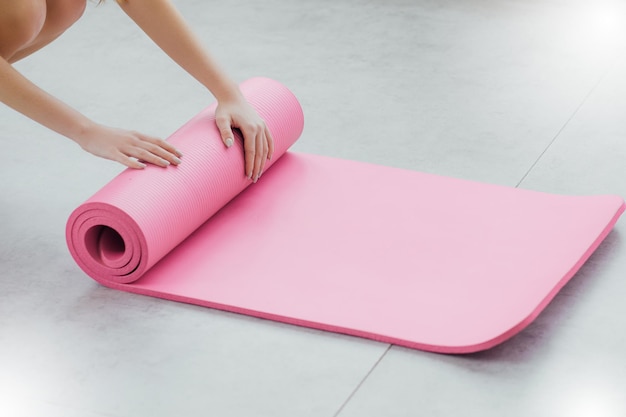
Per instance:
{"type": "Point", "coordinates": [360, 384]}
{"type": "Point", "coordinates": [569, 119]}
{"type": "Point", "coordinates": [584, 100]}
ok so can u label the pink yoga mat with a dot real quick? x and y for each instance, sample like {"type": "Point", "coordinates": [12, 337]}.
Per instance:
{"type": "Point", "coordinates": [403, 257]}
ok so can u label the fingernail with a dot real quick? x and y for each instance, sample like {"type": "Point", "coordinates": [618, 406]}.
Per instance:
{"type": "Point", "coordinates": [166, 162]}
{"type": "Point", "coordinates": [179, 153]}
{"type": "Point", "coordinates": [177, 161]}
{"type": "Point", "coordinates": [229, 142]}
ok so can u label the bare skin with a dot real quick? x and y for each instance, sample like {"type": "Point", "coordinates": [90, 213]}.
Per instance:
{"type": "Point", "coordinates": [28, 25]}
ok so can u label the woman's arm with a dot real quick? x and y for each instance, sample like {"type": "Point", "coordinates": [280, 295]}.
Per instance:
{"type": "Point", "coordinates": [123, 146]}
{"type": "Point", "coordinates": [160, 20]}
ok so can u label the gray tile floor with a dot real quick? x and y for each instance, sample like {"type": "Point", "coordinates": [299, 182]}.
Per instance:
{"type": "Point", "coordinates": [521, 93]}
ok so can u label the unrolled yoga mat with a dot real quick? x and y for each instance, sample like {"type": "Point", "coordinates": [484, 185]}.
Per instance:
{"type": "Point", "coordinates": [403, 257]}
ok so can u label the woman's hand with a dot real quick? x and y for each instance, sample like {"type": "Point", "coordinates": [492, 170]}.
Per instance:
{"type": "Point", "coordinates": [258, 143]}
{"type": "Point", "coordinates": [160, 20]}
{"type": "Point", "coordinates": [128, 147]}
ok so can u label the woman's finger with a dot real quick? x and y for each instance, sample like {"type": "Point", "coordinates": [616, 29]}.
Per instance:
{"type": "Point", "coordinates": [159, 147]}
{"type": "Point", "coordinates": [128, 161]}
{"type": "Point", "coordinates": [258, 157]}
{"type": "Point", "coordinates": [148, 157]}
{"type": "Point", "coordinates": [155, 147]}
{"type": "Point", "coordinates": [270, 143]}
{"type": "Point", "coordinates": [249, 153]}
{"type": "Point", "coordinates": [226, 132]}
{"type": "Point", "coordinates": [165, 145]}
{"type": "Point", "coordinates": [265, 152]}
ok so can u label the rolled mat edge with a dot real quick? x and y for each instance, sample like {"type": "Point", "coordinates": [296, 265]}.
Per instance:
{"type": "Point", "coordinates": [141, 215]}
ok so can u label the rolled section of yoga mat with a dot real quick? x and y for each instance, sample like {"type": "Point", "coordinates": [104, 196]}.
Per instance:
{"type": "Point", "coordinates": [141, 215]}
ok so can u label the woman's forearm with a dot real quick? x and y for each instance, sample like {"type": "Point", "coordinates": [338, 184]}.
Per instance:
{"type": "Point", "coordinates": [126, 147]}
{"type": "Point", "coordinates": [17, 92]}
{"type": "Point", "coordinates": [160, 20]}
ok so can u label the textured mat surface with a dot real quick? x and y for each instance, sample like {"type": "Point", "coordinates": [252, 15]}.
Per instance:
{"type": "Point", "coordinates": [419, 260]}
